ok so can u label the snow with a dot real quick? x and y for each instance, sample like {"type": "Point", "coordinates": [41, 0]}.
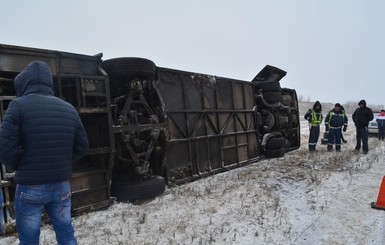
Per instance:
{"type": "Point", "coordinates": [302, 198]}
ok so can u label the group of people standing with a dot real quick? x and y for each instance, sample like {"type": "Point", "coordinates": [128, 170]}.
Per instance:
{"type": "Point", "coordinates": [336, 122]}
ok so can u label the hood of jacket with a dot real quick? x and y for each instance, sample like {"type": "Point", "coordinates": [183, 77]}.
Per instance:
{"type": "Point", "coordinates": [340, 111]}
{"type": "Point", "coordinates": [317, 103]}
{"type": "Point", "coordinates": [363, 102]}
{"type": "Point", "coordinates": [35, 78]}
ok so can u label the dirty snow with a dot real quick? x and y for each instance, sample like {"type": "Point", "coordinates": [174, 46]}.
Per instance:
{"type": "Point", "coordinates": [302, 198]}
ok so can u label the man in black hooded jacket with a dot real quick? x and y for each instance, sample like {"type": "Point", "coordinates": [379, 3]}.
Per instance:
{"type": "Point", "coordinates": [361, 118]}
{"type": "Point", "coordinates": [40, 136]}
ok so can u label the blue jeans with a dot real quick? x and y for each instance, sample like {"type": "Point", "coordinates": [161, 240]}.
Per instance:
{"type": "Point", "coordinates": [1, 211]}
{"type": "Point", "coordinates": [30, 200]}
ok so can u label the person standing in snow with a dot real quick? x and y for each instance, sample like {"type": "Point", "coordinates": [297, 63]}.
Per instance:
{"type": "Point", "coordinates": [361, 118]}
{"type": "Point", "coordinates": [381, 125]}
{"type": "Point", "coordinates": [334, 121]}
{"type": "Point", "coordinates": [40, 136]}
{"type": "Point", "coordinates": [314, 117]}
{"type": "Point", "coordinates": [342, 135]}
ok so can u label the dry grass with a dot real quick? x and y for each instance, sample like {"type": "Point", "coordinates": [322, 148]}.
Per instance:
{"type": "Point", "coordinates": [253, 195]}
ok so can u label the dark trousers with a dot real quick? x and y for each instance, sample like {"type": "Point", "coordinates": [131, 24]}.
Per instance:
{"type": "Point", "coordinates": [334, 138]}
{"type": "Point", "coordinates": [362, 135]}
{"type": "Point", "coordinates": [381, 132]}
{"type": "Point", "coordinates": [313, 138]}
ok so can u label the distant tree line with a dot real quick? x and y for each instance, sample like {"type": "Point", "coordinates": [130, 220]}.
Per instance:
{"type": "Point", "coordinates": [302, 98]}
{"type": "Point", "coordinates": [349, 106]}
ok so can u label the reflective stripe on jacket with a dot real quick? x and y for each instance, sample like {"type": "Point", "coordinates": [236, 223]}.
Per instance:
{"type": "Point", "coordinates": [316, 118]}
{"type": "Point", "coordinates": [336, 119]}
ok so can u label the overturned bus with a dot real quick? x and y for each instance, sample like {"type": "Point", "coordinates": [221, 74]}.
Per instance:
{"type": "Point", "coordinates": [150, 126]}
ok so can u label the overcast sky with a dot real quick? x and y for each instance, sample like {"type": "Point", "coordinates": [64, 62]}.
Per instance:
{"type": "Point", "coordinates": [332, 50]}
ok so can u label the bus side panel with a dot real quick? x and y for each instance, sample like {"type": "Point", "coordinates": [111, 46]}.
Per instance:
{"type": "Point", "coordinates": [211, 123]}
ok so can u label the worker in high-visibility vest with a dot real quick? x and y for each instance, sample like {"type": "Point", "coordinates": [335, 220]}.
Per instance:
{"type": "Point", "coordinates": [314, 117]}
{"type": "Point", "coordinates": [335, 121]}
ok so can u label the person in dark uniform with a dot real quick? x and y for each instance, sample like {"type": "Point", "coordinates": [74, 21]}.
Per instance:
{"type": "Point", "coordinates": [361, 118]}
{"type": "Point", "coordinates": [314, 117]}
{"type": "Point", "coordinates": [342, 135]}
{"type": "Point", "coordinates": [381, 125]}
{"type": "Point", "coordinates": [334, 121]}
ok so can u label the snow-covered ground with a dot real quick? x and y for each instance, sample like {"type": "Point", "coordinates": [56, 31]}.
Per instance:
{"type": "Point", "coordinates": [302, 198]}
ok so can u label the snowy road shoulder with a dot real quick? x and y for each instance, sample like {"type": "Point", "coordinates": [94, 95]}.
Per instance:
{"type": "Point", "coordinates": [300, 199]}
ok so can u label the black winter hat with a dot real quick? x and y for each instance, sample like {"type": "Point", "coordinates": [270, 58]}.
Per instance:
{"type": "Point", "coordinates": [362, 102]}
{"type": "Point", "coordinates": [337, 105]}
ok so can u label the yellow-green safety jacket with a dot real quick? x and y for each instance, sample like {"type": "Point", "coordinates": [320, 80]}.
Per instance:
{"type": "Point", "coordinates": [314, 117]}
